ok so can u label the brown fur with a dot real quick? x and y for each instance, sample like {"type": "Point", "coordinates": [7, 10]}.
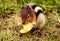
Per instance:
{"type": "Point", "coordinates": [24, 13]}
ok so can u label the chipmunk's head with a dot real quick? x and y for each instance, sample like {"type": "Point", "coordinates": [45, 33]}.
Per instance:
{"type": "Point", "coordinates": [28, 18]}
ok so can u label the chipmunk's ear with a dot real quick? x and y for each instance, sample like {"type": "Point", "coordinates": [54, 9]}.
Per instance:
{"type": "Point", "coordinates": [22, 7]}
{"type": "Point", "coordinates": [28, 7]}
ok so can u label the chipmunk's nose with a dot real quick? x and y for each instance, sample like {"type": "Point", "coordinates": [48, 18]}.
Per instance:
{"type": "Point", "coordinates": [23, 22]}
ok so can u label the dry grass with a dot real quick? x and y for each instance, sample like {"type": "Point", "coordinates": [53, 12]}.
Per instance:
{"type": "Point", "coordinates": [10, 32]}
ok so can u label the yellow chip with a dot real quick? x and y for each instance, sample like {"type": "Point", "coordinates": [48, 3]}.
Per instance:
{"type": "Point", "coordinates": [26, 28]}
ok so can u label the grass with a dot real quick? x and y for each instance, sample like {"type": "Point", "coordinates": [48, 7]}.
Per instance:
{"type": "Point", "coordinates": [9, 32]}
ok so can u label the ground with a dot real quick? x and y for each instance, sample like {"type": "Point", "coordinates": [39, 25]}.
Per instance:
{"type": "Point", "coordinates": [8, 24]}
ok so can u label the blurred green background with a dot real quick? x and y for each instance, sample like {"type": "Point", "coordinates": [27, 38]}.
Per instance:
{"type": "Point", "coordinates": [8, 25]}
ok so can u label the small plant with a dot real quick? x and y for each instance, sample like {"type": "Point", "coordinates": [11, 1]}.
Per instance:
{"type": "Point", "coordinates": [4, 34]}
{"type": "Point", "coordinates": [7, 8]}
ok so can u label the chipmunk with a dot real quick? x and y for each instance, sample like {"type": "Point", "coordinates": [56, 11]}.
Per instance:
{"type": "Point", "coordinates": [32, 17]}
{"type": "Point", "coordinates": [28, 18]}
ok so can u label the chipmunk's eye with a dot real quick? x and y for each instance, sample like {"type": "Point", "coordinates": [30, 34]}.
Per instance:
{"type": "Point", "coordinates": [28, 16]}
